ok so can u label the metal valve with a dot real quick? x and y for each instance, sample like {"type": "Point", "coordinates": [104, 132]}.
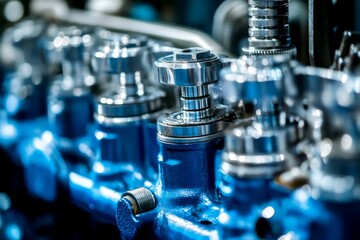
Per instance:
{"type": "Point", "coordinates": [191, 69]}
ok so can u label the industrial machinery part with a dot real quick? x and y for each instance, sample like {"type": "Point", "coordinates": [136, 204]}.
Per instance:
{"type": "Point", "coordinates": [269, 30]}
{"type": "Point", "coordinates": [255, 147]}
{"type": "Point", "coordinates": [122, 111]}
{"type": "Point", "coordinates": [195, 132]}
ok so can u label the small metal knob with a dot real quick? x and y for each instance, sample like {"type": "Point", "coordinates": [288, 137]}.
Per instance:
{"type": "Point", "coordinates": [141, 199]}
{"type": "Point", "coordinates": [126, 59]}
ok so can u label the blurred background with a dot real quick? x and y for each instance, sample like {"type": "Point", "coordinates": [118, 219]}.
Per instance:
{"type": "Point", "coordinates": [225, 21]}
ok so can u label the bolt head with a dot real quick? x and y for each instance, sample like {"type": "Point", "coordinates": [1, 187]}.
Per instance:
{"type": "Point", "coordinates": [191, 54]}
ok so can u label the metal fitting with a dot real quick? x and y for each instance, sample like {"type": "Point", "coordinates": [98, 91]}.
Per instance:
{"type": "Point", "coordinates": [192, 69]}
{"type": "Point", "coordinates": [269, 30]}
{"type": "Point", "coordinates": [126, 59]}
{"type": "Point", "coordinates": [141, 199]}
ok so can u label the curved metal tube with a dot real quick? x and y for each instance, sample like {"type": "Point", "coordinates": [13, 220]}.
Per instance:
{"type": "Point", "coordinates": [181, 37]}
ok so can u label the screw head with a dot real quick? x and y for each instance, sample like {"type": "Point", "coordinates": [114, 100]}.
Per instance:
{"type": "Point", "coordinates": [191, 54]}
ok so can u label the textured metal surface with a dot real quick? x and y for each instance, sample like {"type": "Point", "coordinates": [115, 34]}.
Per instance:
{"type": "Point", "coordinates": [269, 31]}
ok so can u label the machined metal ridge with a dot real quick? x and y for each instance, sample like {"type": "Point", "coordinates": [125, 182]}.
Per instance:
{"type": "Point", "coordinates": [174, 126]}
{"type": "Point", "coordinates": [253, 166]}
{"type": "Point", "coordinates": [111, 106]}
{"type": "Point", "coordinates": [188, 73]}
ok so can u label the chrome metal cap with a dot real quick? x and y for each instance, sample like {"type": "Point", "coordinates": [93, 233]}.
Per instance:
{"type": "Point", "coordinates": [111, 105]}
{"type": "Point", "coordinates": [188, 67]}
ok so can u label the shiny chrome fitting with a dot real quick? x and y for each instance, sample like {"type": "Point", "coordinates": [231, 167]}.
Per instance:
{"type": "Point", "coordinates": [192, 69]}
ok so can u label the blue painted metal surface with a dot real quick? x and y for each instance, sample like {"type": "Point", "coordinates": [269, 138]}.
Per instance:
{"type": "Point", "coordinates": [121, 144]}
{"type": "Point", "coordinates": [151, 148]}
{"type": "Point", "coordinates": [248, 212]}
{"type": "Point", "coordinates": [187, 198]}
{"type": "Point", "coordinates": [307, 218]}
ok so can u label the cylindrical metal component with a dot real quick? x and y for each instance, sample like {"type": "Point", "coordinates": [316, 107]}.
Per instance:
{"type": "Point", "coordinates": [192, 69]}
{"type": "Point", "coordinates": [141, 199]}
{"type": "Point", "coordinates": [269, 31]}
{"type": "Point", "coordinates": [263, 145]}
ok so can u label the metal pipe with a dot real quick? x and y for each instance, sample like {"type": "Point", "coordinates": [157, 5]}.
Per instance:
{"type": "Point", "coordinates": [180, 36]}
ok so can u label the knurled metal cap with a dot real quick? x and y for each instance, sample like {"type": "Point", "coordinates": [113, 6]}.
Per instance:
{"type": "Point", "coordinates": [290, 51]}
{"type": "Point", "coordinates": [188, 67]}
{"type": "Point", "coordinates": [141, 199]}
{"type": "Point", "coordinates": [121, 53]}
